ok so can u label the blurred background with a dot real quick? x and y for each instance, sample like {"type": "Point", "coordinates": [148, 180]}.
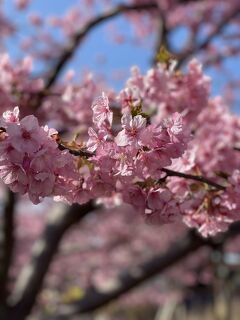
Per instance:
{"type": "Point", "coordinates": [78, 265]}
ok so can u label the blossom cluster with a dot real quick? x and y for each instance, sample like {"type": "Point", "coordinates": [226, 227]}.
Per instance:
{"type": "Point", "coordinates": [30, 159]}
{"type": "Point", "coordinates": [67, 105]}
{"type": "Point", "coordinates": [16, 85]}
{"type": "Point", "coordinates": [165, 118]}
{"type": "Point", "coordinates": [165, 91]}
{"type": "Point", "coordinates": [122, 162]}
{"type": "Point", "coordinates": [134, 157]}
{"type": "Point", "coordinates": [70, 104]}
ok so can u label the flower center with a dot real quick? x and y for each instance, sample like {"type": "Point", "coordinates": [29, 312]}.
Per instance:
{"type": "Point", "coordinates": [26, 135]}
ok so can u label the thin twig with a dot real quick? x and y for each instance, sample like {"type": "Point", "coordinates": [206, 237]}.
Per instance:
{"type": "Point", "coordinates": [171, 173]}
{"type": "Point", "coordinates": [204, 44]}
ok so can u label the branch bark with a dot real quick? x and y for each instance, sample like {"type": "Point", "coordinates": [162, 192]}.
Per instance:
{"type": "Point", "coordinates": [94, 298]}
{"type": "Point", "coordinates": [6, 242]}
{"type": "Point", "coordinates": [171, 173]}
{"type": "Point", "coordinates": [162, 38]}
{"type": "Point", "coordinates": [76, 40]}
{"type": "Point", "coordinates": [31, 279]}
{"type": "Point", "coordinates": [82, 33]}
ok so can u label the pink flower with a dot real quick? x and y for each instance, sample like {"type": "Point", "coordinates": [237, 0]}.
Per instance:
{"type": "Point", "coordinates": [30, 160]}
{"type": "Point", "coordinates": [130, 97]}
{"type": "Point", "coordinates": [101, 112]}
{"type": "Point", "coordinates": [8, 152]}
{"type": "Point", "coordinates": [158, 198]}
{"type": "Point", "coordinates": [11, 116]}
{"type": "Point", "coordinates": [133, 127]}
{"type": "Point", "coordinates": [124, 161]}
{"type": "Point", "coordinates": [154, 136]}
{"type": "Point", "coordinates": [174, 124]}
{"type": "Point", "coordinates": [186, 162]}
{"type": "Point", "coordinates": [162, 208]}
{"type": "Point", "coordinates": [149, 164]}
{"type": "Point", "coordinates": [95, 139]}
{"type": "Point", "coordinates": [25, 137]}
{"type": "Point", "coordinates": [135, 196]}
{"type": "Point", "coordinates": [40, 186]}
{"type": "Point", "coordinates": [14, 176]}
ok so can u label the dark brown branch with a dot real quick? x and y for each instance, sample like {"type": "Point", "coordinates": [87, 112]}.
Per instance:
{"type": "Point", "coordinates": [31, 278]}
{"type": "Point", "coordinates": [171, 173]}
{"type": "Point", "coordinates": [162, 37]}
{"type": "Point", "coordinates": [82, 33]}
{"type": "Point", "coordinates": [94, 298]}
{"type": "Point", "coordinates": [6, 242]}
{"type": "Point", "coordinates": [76, 40]}
{"type": "Point", "coordinates": [77, 153]}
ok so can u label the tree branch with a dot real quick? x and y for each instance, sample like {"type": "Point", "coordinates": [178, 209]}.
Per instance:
{"type": "Point", "coordinates": [171, 173]}
{"type": "Point", "coordinates": [94, 298]}
{"type": "Point", "coordinates": [203, 45]}
{"type": "Point", "coordinates": [162, 37]}
{"type": "Point", "coordinates": [82, 33]}
{"type": "Point", "coordinates": [76, 40]}
{"type": "Point", "coordinates": [31, 278]}
{"type": "Point", "coordinates": [6, 242]}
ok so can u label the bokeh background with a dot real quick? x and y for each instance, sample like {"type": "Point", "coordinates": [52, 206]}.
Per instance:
{"type": "Point", "coordinates": [112, 242]}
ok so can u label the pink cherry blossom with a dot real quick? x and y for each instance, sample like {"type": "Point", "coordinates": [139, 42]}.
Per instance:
{"type": "Point", "coordinates": [101, 111]}
{"type": "Point", "coordinates": [132, 128]}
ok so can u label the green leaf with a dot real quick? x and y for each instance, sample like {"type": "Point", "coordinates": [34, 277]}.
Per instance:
{"type": "Point", "coordinates": [164, 56]}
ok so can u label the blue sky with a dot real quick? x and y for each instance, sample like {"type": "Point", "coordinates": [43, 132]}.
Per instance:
{"type": "Point", "coordinates": [113, 56]}
{"type": "Point", "coordinates": [97, 46]}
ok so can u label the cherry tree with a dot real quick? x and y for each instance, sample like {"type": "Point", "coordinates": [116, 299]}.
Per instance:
{"type": "Point", "coordinates": [161, 150]}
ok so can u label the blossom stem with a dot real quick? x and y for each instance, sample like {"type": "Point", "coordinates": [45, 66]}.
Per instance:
{"type": "Point", "coordinates": [171, 173]}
